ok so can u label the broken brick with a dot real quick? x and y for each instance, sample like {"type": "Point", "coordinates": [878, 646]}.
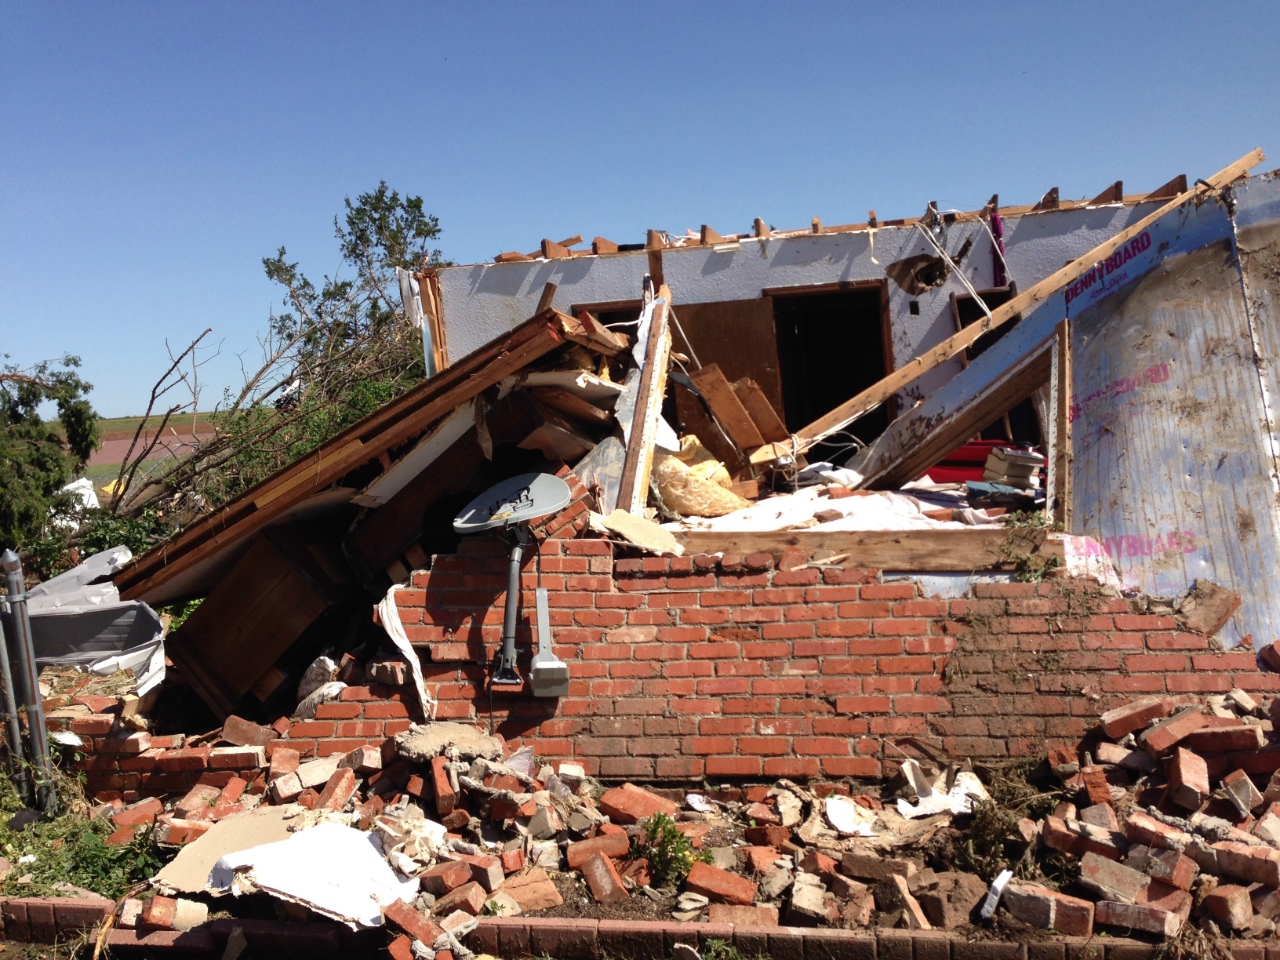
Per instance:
{"type": "Point", "coordinates": [631, 804]}
{"type": "Point", "coordinates": [1137, 917]}
{"type": "Point", "coordinates": [283, 760]}
{"type": "Point", "coordinates": [404, 916]}
{"type": "Point", "coordinates": [1235, 738]}
{"type": "Point", "coordinates": [1164, 736]}
{"type": "Point", "coordinates": [446, 798]}
{"type": "Point", "coordinates": [1120, 721]}
{"type": "Point", "coordinates": [1110, 880]}
{"type": "Point", "coordinates": [1095, 785]}
{"type": "Point", "coordinates": [243, 733]}
{"type": "Point", "coordinates": [1230, 905]}
{"type": "Point", "coordinates": [611, 845]}
{"type": "Point", "coordinates": [602, 877]}
{"type": "Point", "coordinates": [1141, 827]}
{"type": "Point", "coordinates": [135, 815]}
{"type": "Point", "coordinates": [469, 897]}
{"type": "Point", "coordinates": [336, 793]}
{"type": "Point", "coordinates": [1100, 815]}
{"type": "Point", "coordinates": [159, 912]}
{"type": "Point", "coordinates": [512, 861]}
{"type": "Point", "coordinates": [720, 885]}
{"type": "Point", "coordinates": [445, 876]}
{"type": "Point", "coordinates": [1188, 779]}
{"type": "Point", "coordinates": [286, 789]}
{"type": "Point", "coordinates": [1049, 910]}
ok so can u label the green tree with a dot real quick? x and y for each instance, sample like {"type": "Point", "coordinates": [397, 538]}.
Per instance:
{"type": "Point", "coordinates": [340, 348]}
{"type": "Point", "coordinates": [37, 458]}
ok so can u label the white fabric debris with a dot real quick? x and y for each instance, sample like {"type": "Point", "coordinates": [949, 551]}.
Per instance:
{"type": "Point", "coordinates": [878, 511]}
{"type": "Point", "coordinates": [389, 617]}
{"type": "Point", "coordinates": [332, 869]}
{"type": "Point", "coordinates": [966, 789]}
{"type": "Point", "coordinates": [849, 818]}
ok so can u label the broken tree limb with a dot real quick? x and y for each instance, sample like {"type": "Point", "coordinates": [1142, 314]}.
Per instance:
{"type": "Point", "coordinates": [405, 418]}
{"type": "Point", "coordinates": [874, 396]}
{"type": "Point", "coordinates": [634, 490]}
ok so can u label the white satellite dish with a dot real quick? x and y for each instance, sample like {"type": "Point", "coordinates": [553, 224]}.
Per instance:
{"type": "Point", "coordinates": [511, 505]}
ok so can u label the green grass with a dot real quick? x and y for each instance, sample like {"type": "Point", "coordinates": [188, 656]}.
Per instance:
{"type": "Point", "coordinates": [71, 848]}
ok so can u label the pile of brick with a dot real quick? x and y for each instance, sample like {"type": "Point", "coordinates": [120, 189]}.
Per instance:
{"type": "Point", "coordinates": [1176, 816]}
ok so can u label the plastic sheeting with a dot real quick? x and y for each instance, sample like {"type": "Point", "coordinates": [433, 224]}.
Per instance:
{"type": "Point", "coordinates": [78, 619]}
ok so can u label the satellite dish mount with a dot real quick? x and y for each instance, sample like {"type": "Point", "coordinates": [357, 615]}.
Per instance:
{"type": "Point", "coordinates": [511, 506]}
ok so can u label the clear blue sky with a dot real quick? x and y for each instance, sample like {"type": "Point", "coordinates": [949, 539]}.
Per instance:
{"type": "Point", "coordinates": [152, 153]}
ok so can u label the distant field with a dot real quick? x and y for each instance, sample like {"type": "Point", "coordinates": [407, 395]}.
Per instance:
{"type": "Point", "coordinates": [122, 428]}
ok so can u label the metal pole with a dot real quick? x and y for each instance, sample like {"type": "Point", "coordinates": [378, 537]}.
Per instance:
{"type": "Point", "coordinates": [17, 755]}
{"type": "Point", "coordinates": [46, 801]}
{"type": "Point", "coordinates": [506, 672]}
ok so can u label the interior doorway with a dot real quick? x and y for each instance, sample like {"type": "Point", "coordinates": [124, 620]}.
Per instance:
{"type": "Point", "coordinates": [832, 344]}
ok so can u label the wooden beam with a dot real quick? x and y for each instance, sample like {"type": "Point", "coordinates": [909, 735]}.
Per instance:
{"type": "Point", "coordinates": [601, 245]}
{"type": "Point", "coordinates": [761, 229]}
{"type": "Point", "coordinates": [591, 333]}
{"type": "Point", "coordinates": [980, 548]}
{"type": "Point", "coordinates": [817, 225]}
{"type": "Point", "coordinates": [511, 256]}
{"type": "Point", "coordinates": [548, 294]}
{"type": "Point", "coordinates": [874, 396]}
{"type": "Point", "coordinates": [654, 241]}
{"type": "Point", "coordinates": [919, 446]}
{"type": "Point", "coordinates": [1049, 201]}
{"type": "Point", "coordinates": [1171, 189]}
{"type": "Point", "coordinates": [760, 410]}
{"type": "Point", "coordinates": [554, 251]}
{"type": "Point", "coordinates": [710, 236]}
{"type": "Point", "coordinates": [1113, 194]}
{"type": "Point", "coordinates": [727, 408]}
{"type": "Point", "coordinates": [573, 405]}
{"type": "Point", "coordinates": [633, 491]}
{"type": "Point", "coordinates": [871, 219]}
{"type": "Point", "coordinates": [571, 241]}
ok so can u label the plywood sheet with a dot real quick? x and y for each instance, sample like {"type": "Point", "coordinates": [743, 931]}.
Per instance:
{"type": "Point", "coordinates": [737, 335]}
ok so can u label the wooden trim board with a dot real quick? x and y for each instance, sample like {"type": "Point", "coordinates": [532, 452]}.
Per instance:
{"type": "Point", "coordinates": [979, 548]}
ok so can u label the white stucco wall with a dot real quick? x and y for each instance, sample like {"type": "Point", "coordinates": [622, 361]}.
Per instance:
{"type": "Point", "coordinates": [484, 301]}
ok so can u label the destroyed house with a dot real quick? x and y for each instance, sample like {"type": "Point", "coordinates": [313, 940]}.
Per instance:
{"type": "Point", "coordinates": [794, 406]}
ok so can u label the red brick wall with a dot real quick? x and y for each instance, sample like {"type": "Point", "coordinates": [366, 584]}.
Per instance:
{"type": "Point", "coordinates": [727, 667]}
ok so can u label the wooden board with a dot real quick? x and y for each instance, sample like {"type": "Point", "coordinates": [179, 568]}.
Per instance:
{"type": "Point", "coordinates": [727, 408]}
{"type": "Point", "coordinates": [573, 405]}
{"type": "Point", "coordinates": [761, 411]}
{"type": "Point", "coordinates": [909, 455]}
{"type": "Point", "coordinates": [873, 396]}
{"type": "Point", "coordinates": [250, 619]}
{"type": "Point", "coordinates": [633, 491]}
{"type": "Point", "coordinates": [738, 336]}
{"type": "Point", "coordinates": [906, 550]}
{"type": "Point", "coordinates": [392, 425]}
